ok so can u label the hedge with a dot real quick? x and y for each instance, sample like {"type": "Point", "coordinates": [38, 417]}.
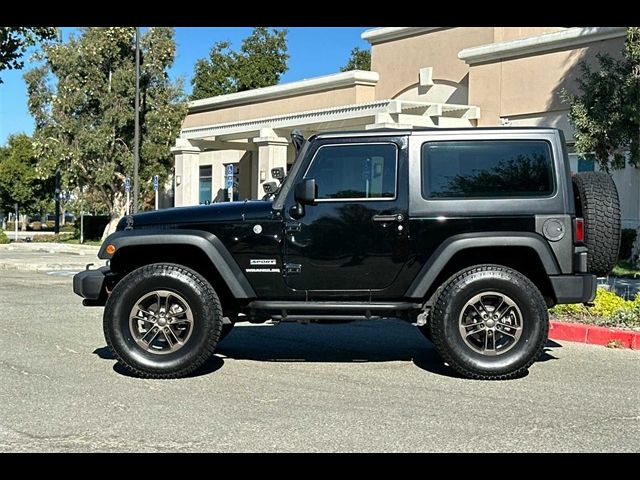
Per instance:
{"type": "Point", "coordinates": [609, 310]}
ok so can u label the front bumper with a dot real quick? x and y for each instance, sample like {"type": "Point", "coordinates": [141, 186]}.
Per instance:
{"type": "Point", "coordinates": [90, 285]}
{"type": "Point", "coordinates": [574, 288]}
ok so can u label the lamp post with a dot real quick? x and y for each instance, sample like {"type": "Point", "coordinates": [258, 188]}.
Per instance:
{"type": "Point", "coordinates": [136, 136]}
{"type": "Point", "coordinates": [56, 228]}
{"type": "Point", "coordinates": [81, 214]}
{"type": "Point", "coordinates": [15, 225]}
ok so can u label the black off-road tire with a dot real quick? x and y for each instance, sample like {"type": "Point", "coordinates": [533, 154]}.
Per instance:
{"type": "Point", "coordinates": [598, 203]}
{"type": "Point", "coordinates": [448, 340]}
{"type": "Point", "coordinates": [207, 321]}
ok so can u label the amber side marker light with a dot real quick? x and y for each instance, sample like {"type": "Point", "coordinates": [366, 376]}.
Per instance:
{"type": "Point", "coordinates": [111, 249]}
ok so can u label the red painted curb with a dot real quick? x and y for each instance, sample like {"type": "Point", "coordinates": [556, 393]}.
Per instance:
{"type": "Point", "coordinates": [594, 335]}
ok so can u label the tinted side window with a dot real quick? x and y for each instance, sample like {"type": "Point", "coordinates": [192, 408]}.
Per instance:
{"type": "Point", "coordinates": [487, 169]}
{"type": "Point", "coordinates": [355, 171]}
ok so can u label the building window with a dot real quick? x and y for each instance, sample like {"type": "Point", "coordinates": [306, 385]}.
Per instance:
{"type": "Point", "coordinates": [487, 169]}
{"type": "Point", "coordinates": [582, 162]}
{"type": "Point", "coordinates": [206, 187]}
{"type": "Point", "coordinates": [362, 171]}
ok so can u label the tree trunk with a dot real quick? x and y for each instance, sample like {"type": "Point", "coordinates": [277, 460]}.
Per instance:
{"type": "Point", "coordinates": [635, 251]}
{"type": "Point", "coordinates": [118, 210]}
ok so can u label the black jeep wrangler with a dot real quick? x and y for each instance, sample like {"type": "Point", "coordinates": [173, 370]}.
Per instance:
{"type": "Point", "coordinates": [470, 234]}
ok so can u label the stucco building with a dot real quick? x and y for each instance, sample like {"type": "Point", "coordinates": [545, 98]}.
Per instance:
{"type": "Point", "coordinates": [421, 76]}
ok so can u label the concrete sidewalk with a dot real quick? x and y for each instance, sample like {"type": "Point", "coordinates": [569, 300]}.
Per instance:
{"type": "Point", "coordinates": [46, 257]}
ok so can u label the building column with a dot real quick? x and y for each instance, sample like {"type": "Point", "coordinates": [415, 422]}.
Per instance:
{"type": "Point", "coordinates": [187, 173]}
{"type": "Point", "coordinates": [272, 153]}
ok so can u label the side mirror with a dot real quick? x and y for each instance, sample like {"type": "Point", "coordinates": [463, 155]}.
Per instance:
{"type": "Point", "coordinates": [277, 173]}
{"type": "Point", "coordinates": [305, 192]}
{"type": "Point", "coordinates": [269, 187]}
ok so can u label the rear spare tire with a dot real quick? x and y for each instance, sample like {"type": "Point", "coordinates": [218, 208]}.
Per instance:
{"type": "Point", "coordinates": [598, 204]}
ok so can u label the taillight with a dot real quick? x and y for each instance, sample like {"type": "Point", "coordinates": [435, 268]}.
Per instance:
{"type": "Point", "coordinates": [579, 230]}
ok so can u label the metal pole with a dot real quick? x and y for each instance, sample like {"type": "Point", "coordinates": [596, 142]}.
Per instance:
{"type": "Point", "coordinates": [81, 217]}
{"type": "Point", "coordinates": [156, 199]}
{"type": "Point", "coordinates": [136, 139]}
{"type": "Point", "coordinates": [56, 227]}
{"type": "Point", "coordinates": [15, 224]}
{"type": "Point", "coordinates": [128, 201]}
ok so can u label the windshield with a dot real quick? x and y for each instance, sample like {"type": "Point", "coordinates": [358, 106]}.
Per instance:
{"type": "Point", "coordinates": [281, 194]}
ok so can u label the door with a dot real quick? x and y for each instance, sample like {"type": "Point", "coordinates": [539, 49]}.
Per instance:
{"type": "Point", "coordinates": [355, 236]}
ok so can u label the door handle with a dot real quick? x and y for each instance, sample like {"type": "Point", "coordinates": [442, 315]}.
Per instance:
{"type": "Point", "coordinates": [396, 217]}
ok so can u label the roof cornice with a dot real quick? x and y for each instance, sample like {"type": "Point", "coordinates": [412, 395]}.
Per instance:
{"type": "Point", "coordinates": [571, 37]}
{"type": "Point", "coordinates": [312, 85]}
{"type": "Point", "coordinates": [384, 34]}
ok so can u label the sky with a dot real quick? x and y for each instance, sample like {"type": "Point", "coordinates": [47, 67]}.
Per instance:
{"type": "Point", "coordinates": [313, 51]}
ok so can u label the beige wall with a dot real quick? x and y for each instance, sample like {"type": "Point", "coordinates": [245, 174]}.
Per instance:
{"type": "Point", "coordinates": [299, 103]}
{"type": "Point", "coordinates": [504, 34]}
{"type": "Point", "coordinates": [191, 178]}
{"type": "Point", "coordinates": [530, 84]}
{"type": "Point", "coordinates": [398, 61]}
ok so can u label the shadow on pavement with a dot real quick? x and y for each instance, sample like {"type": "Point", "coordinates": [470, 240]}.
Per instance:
{"type": "Point", "coordinates": [210, 366]}
{"type": "Point", "coordinates": [548, 349]}
{"type": "Point", "coordinates": [104, 353]}
{"type": "Point", "coordinates": [365, 341]}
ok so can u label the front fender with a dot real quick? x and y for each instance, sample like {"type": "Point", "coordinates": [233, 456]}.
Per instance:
{"type": "Point", "coordinates": [210, 244]}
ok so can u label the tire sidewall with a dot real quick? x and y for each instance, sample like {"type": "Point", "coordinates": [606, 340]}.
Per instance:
{"type": "Point", "coordinates": [534, 321]}
{"type": "Point", "coordinates": [146, 280]}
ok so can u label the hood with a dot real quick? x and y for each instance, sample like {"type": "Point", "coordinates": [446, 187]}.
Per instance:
{"type": "Point", "coordinates": [217, 212]}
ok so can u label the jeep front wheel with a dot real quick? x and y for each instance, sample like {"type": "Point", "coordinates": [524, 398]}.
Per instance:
{"type": "Point", "coordinates": [490, 322]}
{"type": "Point", "coordinates": [162, 321]}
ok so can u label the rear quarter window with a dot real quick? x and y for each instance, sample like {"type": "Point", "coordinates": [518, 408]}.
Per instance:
{"type": "Point", "coordinates": [487, 169]}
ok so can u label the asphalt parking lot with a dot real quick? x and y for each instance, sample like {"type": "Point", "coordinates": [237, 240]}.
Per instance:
{"type": "Point", "coordinates": [369, 386]}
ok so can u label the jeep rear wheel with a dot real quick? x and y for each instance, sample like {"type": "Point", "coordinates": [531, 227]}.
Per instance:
{"type": "Point", "coordinates": [490, 322]}
{"type": "Point", "coordinates": [162, 321]}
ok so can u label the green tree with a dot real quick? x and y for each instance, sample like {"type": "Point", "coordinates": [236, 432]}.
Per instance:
{"type": "Point", "coordinates": [606, 111]}
{"type": "Point", "coordinates": [214, 76]}
{"type": "Point", "coordinates": [22, 180]}
{"type": "Point", "coordinates": [261, 61]}
{"type": "Point", "coordinates": [359, 60]}
{"type": "Point", "coordinates": [85, 119]}
{"type": "Point", "coordinates": [14, 42]}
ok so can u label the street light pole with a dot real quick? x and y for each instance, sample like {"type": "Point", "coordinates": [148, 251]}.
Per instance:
{"type": "Point", "coordinates": [81, 214]}
{"type": "Point", "coordinates": [15, 225]}
{"type": "Point", "coordinates": [136, 138]}
{"type": "Point", "coordinates": [56, 225]}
